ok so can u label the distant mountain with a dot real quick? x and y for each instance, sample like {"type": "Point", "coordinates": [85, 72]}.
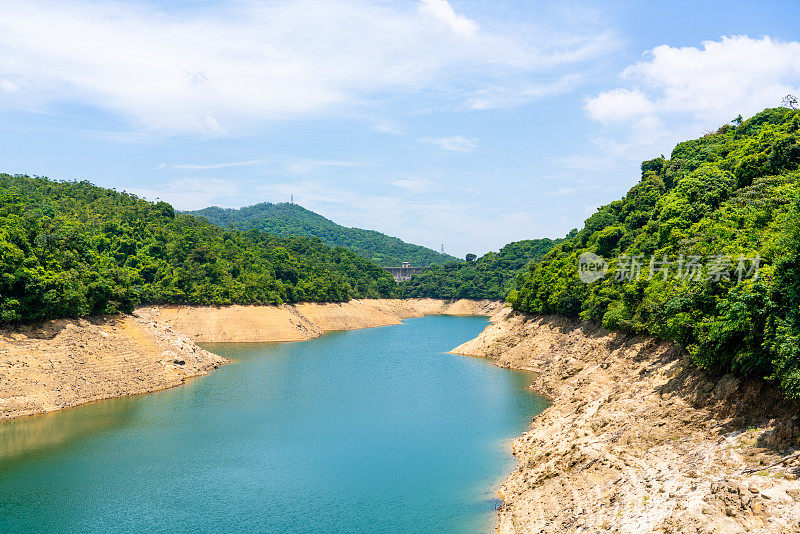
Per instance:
{"type": "Point", "coordinates": [491, 276]}
{"type": "Point", "coordinates": [285, 219]}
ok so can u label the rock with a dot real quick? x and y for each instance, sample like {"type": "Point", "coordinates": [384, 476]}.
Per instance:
{"type": "Point", "coordinates": [775, 494]}
{"type": "Point", "coordinates": [727, 386]}
{"type": "Point", "coordinates": [178, 361]}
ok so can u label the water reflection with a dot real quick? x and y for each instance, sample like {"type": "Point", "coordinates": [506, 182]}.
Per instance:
{"type": "Point", "coordinates": [39, 435]}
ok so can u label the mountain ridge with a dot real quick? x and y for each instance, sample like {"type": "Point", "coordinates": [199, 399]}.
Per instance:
{"type": "Point", "coordinates": [286, 219]}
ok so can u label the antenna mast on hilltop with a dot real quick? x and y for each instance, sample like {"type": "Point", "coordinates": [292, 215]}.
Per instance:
{"type": "Point", "coordinates": [291, 199]}
{"type": "Point", "coordinates": [442, 248]}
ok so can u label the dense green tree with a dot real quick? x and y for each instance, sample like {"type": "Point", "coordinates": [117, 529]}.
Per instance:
{"type": "Point", "coordinates": [491, 276]}
{"type": "Point", "coordinates": [69, 249]}
{"type": "Point", "coordinates": [727, 196]}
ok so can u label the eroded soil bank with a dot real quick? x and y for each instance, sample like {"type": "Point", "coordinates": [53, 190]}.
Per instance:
{"type": "Point", "coordinates": [638, 440]}
{"type": "Point", "coordinates": [62, 363]}
{"type": "Point", "coordinates": [299, 322]}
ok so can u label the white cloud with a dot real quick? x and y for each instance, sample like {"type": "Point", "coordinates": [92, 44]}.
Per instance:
{"type": "Point", "coordinates": [510, 95]}
{"type": "Point", "coordinates": [442, 11]}
{"type": "Point", "coordinates": [414, 185]}
{"type": "Point", "coordinates": [193, 193]}
{"type": "Point", "coordinates": [277, 164]}
{"type": "Point", "coordinates": [618, 105]}
{"type": "Point", "coordinates": [209, 166]}
{"type": "Point", "coordinates": [734, 75]}
{"type": "Point", "coordinates": [388, 127]}
{"type": "Point", "coordinates": [456, 143]}
{"type": "Point", "coordinates": [711, 84]}
{"type": "Point", "coordinates": [228, 68]}
{"type": "Point", "coordinates": [8, 85]}
{"type": "Point", "coordinates": [677, 93]}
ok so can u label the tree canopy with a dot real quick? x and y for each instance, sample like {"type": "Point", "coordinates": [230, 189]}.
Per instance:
{"type": "Point", "coordinates": [70, 249]}
{"type": "Point", "coordinates": [731, 196]}
{"type": "Point", "coordinates": [491, 276]}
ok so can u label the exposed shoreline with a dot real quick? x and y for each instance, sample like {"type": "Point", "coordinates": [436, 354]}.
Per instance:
{"type": "Point", "coordinates": [63, 363]}
{"type": "Point", "coordinates": [637, 439]}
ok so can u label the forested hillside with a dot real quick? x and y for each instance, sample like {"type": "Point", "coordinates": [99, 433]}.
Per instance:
{"type": "Point", "coordinates": [69, 249]}
{"type": "Point", "coordinates": [721, 220]}
{"type": "Point", "coordinates": [287, 220]}
{"type": "Point", "coordinates": [491, 276]}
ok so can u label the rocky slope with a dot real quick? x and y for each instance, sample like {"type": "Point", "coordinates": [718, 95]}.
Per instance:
{"type": "Point", "coordinates": [62, 363]}
{"type": "Point", "coordinates": [638, 440]}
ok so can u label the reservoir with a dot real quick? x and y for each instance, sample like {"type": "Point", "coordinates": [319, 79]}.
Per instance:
{"type": "Point", "coordinates": [370, 431]}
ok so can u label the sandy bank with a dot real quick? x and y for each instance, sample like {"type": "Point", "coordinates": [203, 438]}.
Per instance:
{"type": "Point", "coordinates": [66, 362]}
{"type": "Point", "coordinates": [637, 440]}
{"type": "Point", "coordinates": [297, 322]}
{"type": "Point", "coordinates": [63, 363]}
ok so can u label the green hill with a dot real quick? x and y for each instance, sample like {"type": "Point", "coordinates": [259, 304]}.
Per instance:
{"type": "Point", "coordinates": [286, 220]}
{"type": "Point", "coordinates": [717, 202]}
{"type": "Point", "coordinates": [491, 276]}
{"type": "Point", "coordinates": [69, 249]}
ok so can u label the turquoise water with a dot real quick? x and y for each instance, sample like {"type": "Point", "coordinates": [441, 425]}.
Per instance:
{"type": "Point", "coordinates": [369, 431]}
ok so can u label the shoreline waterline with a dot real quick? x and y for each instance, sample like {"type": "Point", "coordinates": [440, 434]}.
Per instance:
{"type": "Point", "coordinates": [397, 369]}
{"type": "Point", "coordinates": [63, 363]}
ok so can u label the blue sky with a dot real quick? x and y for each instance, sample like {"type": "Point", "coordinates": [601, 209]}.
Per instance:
{"type": "Point", "coordinates": [464, 122]}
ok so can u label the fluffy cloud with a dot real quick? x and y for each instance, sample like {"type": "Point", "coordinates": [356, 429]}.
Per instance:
{"type": "Point", "coordinates": [677, 93]}
{"type": "Point", "coordinates": [711, 84]}
{"type": "Point", "coordinates": [456, 143]}
{"type": "Point", "coordinates": [230, 67]}
{"type": "Point", "coordinates": [619, 104]}
{"type": "Point", "coordinates": [441, 10]}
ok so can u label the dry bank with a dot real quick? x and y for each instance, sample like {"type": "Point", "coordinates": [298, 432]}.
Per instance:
{"type": "Point", "coordinates": [62, 363]}
{"type": "Point", "coordinates": [638, 440]}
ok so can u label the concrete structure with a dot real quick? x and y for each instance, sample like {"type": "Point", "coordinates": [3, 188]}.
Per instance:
{"type": "Point", "coordinates": [401, 274]}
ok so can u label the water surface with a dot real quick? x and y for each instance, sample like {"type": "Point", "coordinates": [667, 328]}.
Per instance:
{"type": "Point", "coordinates": [369, 431]}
